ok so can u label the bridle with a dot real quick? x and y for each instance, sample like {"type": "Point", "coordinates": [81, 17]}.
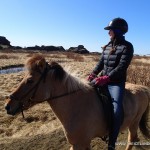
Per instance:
{"type": "Point", "coordinates": [34, 90]}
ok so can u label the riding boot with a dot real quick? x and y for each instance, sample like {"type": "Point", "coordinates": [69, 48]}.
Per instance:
{"type": "Point", "coordinates": [111, 148]}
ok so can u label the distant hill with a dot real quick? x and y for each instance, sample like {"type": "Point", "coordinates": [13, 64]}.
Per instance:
{"type": "Point", "coordinates": [4, 43]}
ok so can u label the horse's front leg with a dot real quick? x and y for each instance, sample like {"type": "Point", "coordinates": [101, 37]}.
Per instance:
{"type": "Point", "coordinates": [80, 147]}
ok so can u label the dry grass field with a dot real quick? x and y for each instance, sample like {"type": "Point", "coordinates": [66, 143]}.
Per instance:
{"type": "Point", "coordinates": [41, 130]}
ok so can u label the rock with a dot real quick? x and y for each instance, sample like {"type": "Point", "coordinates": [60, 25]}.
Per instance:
{"type": "Point", "coordinates": [4, 41]}
{"type": "Point", "coordinates": [46, 48]}
{"type": "Point", "coordinates": [80, 49]}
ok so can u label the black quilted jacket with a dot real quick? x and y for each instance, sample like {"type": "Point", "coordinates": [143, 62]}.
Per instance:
{"type": "Point", "coordinates": [115, 64]}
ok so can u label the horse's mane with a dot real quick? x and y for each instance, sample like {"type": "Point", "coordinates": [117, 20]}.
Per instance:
{"type": "Point", "coordinates": [74, 83]}
{"type": "Point", "coordinates": [69, 79]}
{"type": "Point", "coordinates": [59, 73]}
{"type": "Point", "coordinates": [31, 63]}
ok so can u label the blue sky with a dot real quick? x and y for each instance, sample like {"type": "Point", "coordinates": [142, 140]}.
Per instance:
{"type": "Point", "coordinates": [73, 22]}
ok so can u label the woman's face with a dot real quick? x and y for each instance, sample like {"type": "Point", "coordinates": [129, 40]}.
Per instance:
{"type": "Point", "coordinates": [111, 34]}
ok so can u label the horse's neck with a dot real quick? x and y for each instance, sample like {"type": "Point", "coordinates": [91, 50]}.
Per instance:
{"type": "Point", "coordinates": [77, 106]}
{"type": "Point", "coordinates": [65, 105]}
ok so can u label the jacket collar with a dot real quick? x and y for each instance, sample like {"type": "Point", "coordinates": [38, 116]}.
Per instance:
{"type": "Point", "coordinates": [117, 40]}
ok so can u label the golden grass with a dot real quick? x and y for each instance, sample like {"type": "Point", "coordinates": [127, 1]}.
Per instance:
{"type": "Point", "coordinates": [42, 130]}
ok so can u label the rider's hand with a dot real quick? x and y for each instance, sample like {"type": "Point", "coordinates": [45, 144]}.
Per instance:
{"type": "Point", "coordinates": [100, 81]}
{"type": "Point", "coordinates": [91, 77]}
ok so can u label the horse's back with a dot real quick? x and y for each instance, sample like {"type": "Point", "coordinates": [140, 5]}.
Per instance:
{"type": "Point", "coordinates": [135, 102]}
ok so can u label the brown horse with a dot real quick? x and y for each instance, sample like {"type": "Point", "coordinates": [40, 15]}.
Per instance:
{"type": "Point", "coordinates": [77, 104]}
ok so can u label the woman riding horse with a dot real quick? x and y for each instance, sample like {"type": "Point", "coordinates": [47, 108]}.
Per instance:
{"type": "Point", "coordinates": [114, 61]}
{"type": "Point", "coordinates": [77, 104]}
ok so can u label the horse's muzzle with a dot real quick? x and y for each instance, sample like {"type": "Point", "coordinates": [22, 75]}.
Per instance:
{"type": "Point", "coordinates": [7, 107]}
{"type": "Point", "coordinates": [12, 110]}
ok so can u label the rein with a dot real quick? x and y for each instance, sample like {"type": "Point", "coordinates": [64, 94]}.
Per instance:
{"type": "Point", "coordinates": [51, 98]}
{"type": "Point", "coordinates": [62, 95]}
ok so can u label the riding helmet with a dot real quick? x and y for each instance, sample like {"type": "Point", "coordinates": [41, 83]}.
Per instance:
{"type": "Point", "coordinates": [118, 23]}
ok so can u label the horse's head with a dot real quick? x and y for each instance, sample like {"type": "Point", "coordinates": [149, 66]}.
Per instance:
{"type": "Point", "coordinates": [35, 86]}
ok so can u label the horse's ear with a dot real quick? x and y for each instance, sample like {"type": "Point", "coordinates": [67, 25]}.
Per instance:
{"type": "Point", "coordinates": [41, 64]}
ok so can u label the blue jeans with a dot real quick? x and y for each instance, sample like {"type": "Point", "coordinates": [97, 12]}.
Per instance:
{"type": "Point", "coordinates": [116, 91]}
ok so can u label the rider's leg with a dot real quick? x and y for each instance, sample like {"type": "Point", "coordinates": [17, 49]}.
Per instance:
{"type": "Point", "coordinates": [116, 91]}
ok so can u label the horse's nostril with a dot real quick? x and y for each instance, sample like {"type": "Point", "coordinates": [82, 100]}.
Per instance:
{"type": "Point", "coordinates": [11, 97]}
{"type": "Point", "coordinates": [6, 97]}
{"type": "Point", "coordinates": [7, 107]}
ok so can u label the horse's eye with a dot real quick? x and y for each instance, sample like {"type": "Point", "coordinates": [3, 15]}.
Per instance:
{"type": "Point", "coordinates": [30, 80]}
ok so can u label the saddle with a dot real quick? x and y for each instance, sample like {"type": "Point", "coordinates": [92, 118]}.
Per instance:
{"type": "Point", "coordinates": [105, 98]}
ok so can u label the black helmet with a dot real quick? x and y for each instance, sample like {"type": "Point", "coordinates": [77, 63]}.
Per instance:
{"type": "Point", "coordinates": [118, 23]}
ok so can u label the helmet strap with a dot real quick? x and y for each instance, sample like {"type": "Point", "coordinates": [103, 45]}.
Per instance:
{"type": "Point", "coordinates": [118, 32]}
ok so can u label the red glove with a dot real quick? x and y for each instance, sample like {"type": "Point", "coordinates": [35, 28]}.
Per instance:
{"type": "Point", "coordinates": [91, 77]}
{"type": "Point", "coordinates": [100, 81]}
